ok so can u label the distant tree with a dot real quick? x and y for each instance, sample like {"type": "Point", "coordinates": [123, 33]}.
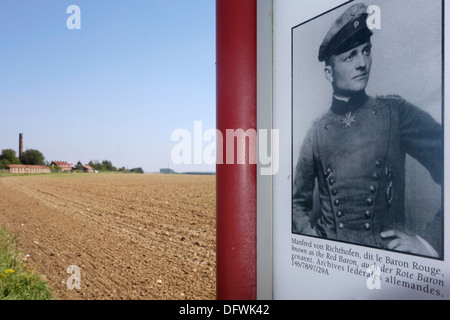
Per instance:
{"type": "Point", "coordinates": [95, 165]}
{"type": "Point", "coordinates": [55, 168]}
{"type": "Point", "coordinates": [8, 156]}
{"type": "Point", "coordinates": [107, 166]}
{"type": "Point", "coordinates": [32, 157]}
{"type": "Point", "coordinates": [4, 164]}
{"type": "Point", "coordinates": [137, 170]}
{"type": "Point", "coordinates": [78, 166]}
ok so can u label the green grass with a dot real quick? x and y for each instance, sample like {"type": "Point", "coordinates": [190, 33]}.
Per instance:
{"type": "Point", "coordinates": [7, 174]}
{"type": "Point", "coordinates": [17, 281]}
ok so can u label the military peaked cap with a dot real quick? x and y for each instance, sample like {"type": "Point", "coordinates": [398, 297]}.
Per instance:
{"type": "Point", "coordinates": [347, 32]}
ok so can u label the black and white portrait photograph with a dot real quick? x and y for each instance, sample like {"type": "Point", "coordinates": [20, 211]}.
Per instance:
{"type": "Point", "coordinates": [367, 126]}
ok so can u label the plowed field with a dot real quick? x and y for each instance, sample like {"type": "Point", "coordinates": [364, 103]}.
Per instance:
{"type": "Point", "coordinates": [133, 236]}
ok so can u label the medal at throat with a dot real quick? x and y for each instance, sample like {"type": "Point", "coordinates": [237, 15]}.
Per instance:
{"type": "Point", "coordinates": [348, 120]}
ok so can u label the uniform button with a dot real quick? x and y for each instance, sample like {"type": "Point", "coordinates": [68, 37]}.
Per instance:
{"type": "Point", "coordinates": [367, 226]}
{"type": "Point", "coordinates": [339, 214]}
{"type": "Point", "coordinates": [331, 181]}
{"type": "Point", "coordinates": [334, 192]}
{"type": "Point", "coordinates": [367, 214]}
{"type": "Point", "coordinates": [328, 170]}
{"type": "Point", "coordinates": [374, 112]}
{"type": "Point", "coordinates": [369, 201]}
{"type": "Point", "coordinates": [375, 176]}
{"type": "Point", "coordinates": [378, 163]}
{"type": "Point", "coordinates": [372, 189]}
{"type": "Point", "coordinates": [327, 126]}
{"type": "Point", "coordinates": [341, 225]}
{"type": "Point", "coordinates": [336, 202]}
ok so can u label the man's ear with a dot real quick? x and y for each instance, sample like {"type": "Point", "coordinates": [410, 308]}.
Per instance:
{"type": "Point", "coordinates": [328, 73]}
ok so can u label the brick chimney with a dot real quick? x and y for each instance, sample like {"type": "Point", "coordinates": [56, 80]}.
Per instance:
{"type": "Point", "coordinates": [20, 144]}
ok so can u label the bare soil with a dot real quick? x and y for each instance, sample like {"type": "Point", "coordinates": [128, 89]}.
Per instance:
{"type": "Point", "coordinates": [133, 236]}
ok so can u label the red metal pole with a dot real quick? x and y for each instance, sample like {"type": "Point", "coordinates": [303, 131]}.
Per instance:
{"type": "Point", "coordinates": [236, 183]}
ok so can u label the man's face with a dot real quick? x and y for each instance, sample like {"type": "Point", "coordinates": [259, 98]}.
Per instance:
{"type": "Point", "coordinates": [349, 71]}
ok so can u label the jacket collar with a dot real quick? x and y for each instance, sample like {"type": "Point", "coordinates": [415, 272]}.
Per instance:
{"type": "Point", "coordinates": [342, 107]}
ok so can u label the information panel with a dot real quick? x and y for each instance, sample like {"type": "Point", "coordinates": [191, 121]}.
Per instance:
{"type": "Point", "coordinates": [360, 206]}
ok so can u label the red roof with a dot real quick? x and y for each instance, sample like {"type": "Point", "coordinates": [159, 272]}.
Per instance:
{"type": "Point", "coordinates": [63, 164]}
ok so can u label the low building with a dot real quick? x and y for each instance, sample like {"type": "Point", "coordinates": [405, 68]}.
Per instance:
{"type": "Point", "coordinates": [166, 171]}
{"type": "Point", "coordinates": [65, 166]}
{"type": "Point", "coordinates": [88, 169]}
{"type": "Point", "coordinates": [19, 168]}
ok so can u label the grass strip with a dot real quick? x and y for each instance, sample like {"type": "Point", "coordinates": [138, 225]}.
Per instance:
{"type": "Point", "coordinates": [17, 280]}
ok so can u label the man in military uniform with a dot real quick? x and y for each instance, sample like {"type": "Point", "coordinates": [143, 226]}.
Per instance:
{"type": "Point", "coordinates": [356, 153]}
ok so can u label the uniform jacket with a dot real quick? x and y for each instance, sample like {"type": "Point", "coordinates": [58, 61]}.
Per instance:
{"type": "Point", "coordinates": [356, 154]}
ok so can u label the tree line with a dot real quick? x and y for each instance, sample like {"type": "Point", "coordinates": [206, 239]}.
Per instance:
{"type": "Point", "coordinates": [35, 157]}
{"type": "Point", "coordinates": [107, 165]}
{"type": "Point", "coordinates": [28, 157]}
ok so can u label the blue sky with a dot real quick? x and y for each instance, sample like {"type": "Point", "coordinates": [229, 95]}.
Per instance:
{"type": "Point", "coordinates": [114, 90]}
